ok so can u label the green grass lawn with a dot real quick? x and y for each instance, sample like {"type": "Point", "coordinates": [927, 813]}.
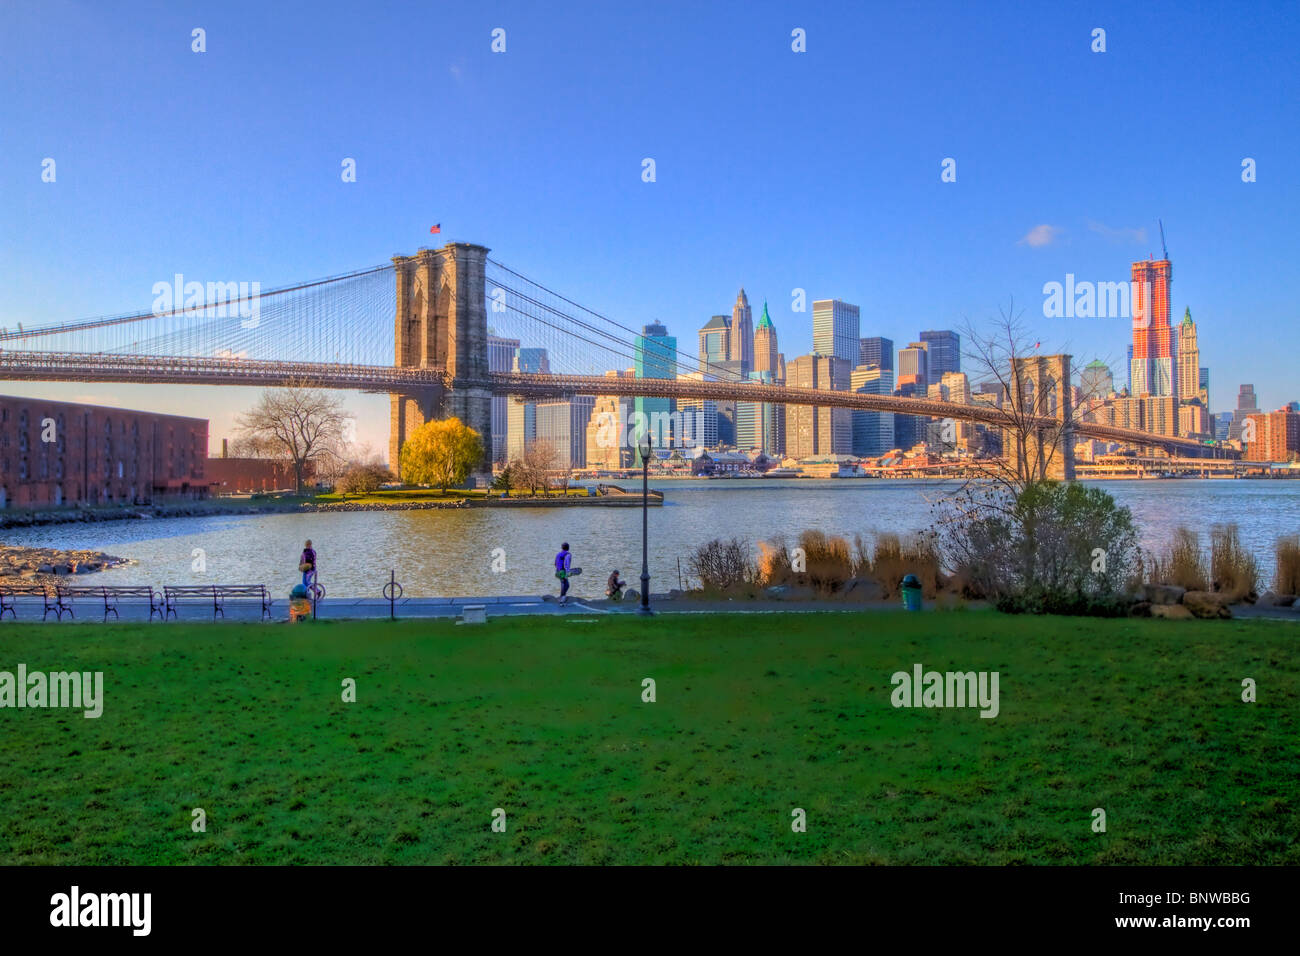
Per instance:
{"type": "Point", "coordinates": [755, 715]}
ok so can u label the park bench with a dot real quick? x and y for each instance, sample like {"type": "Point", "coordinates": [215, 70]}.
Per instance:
{"type": "Point", "coordinates": [217, 594]}
{"type": "Point", "coordinates": [9, 591]}
{"type": "Point", "coordinates": [109, 594]}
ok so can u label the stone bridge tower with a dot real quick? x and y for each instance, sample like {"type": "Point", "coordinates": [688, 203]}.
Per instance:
{"type": "Point", "coordinates": [1045, 385]}
{"type": "Point", "coordinates": [442, 322]}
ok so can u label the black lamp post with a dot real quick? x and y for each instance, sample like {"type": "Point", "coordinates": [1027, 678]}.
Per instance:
{"type": "Point", "coordinates": [644, 447]}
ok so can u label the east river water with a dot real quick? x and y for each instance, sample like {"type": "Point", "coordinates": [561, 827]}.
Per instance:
{"type": "Point", "coordinates": [451, 552]}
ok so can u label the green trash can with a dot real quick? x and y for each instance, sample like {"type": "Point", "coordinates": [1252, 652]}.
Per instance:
{"type": "Point", "coordinates": [911, 593]}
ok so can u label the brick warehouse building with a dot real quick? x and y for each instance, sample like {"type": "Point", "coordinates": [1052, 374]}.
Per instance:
{"type": "Point", "coordinates": [63, 453]}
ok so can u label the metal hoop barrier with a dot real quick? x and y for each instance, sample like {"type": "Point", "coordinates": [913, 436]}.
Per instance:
{"type": "Point", "coordinates": [392, 591]}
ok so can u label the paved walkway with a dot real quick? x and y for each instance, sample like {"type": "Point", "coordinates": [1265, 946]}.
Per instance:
{"type": "Point", "coordinates": [30, 610]}
{"type": "Point", "coordinates": [198, 610]}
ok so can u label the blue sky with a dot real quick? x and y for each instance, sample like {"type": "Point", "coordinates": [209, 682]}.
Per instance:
{"type": "Point", "coordinates": [776, 170]}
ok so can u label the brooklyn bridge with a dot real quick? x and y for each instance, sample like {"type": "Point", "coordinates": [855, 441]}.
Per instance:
{"type": "Point", "coordinates": [419, 329]}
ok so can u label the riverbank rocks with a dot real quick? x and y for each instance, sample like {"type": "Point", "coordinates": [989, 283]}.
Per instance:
{"type": "Point", "coordinates": [1172, 612]}
{"type": "Point", "coordinates": [1162, 593]}
{"type": "Point", "coordinates": [28, 565]}
{"type": "Point", "coordinates": [1205, 604]}
{"type": "Point", "coordinates": [1140, 609]}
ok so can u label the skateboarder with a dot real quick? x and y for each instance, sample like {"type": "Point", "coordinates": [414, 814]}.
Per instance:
{"type": "Point", "coordinates": [563, 566]}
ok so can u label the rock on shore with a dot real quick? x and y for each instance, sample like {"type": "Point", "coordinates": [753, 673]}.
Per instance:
{"type": "Point", "coordinates": [21, 565]}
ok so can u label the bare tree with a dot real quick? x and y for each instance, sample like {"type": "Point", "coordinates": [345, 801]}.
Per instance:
{"type": "Point", "coordinates": [247, 446]}
{"type": "Point", "coordinates": [543, 462]}
{"type": "Point", "coordinates": [304, 425]}
{"type": "Point", "coordinates": [1037, 412]}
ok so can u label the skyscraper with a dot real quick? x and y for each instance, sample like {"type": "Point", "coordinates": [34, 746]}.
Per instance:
{"type": "Point", "coordinates": [957, 385]}
{"type": "Point", "coordinates": [836, 328]}
{"type": "Point", "coordinates": [913, 366]}
{"type": "Point", "coordinates": [873, 432]}
{"type": "Point", "coordinates": [521, 419]}
{"type": "Point", "coordinates": [606, 449]}
{"type": "Point", "coordinates": [563, 426]}
{"type": "Point", "coordinates": [698, 417]}
{"type": "Point", "coordinates": [715, 343]}
{"type": "Point", "coordinates": [818, 430]}
{"type": "Point", "coordinates": [766, 357]}
{"type": "Point", "coordinates": [1189, 360]}
{"type": "Point", "coordinates": [909, 430]}
{"type": "Point", "coordinates": [1276, 438]}
{"type": "Point", "coordinates": [741, 347]}
{"type": "Point", "coordinates": [534, 361]}
{"type": "Point", "coordinates": [877, 351]}
{"type": "Point", "coordinates": [699, 421]}
{"type": "Point", "coordinates": [1247, 405]}
{"type": "Point", "coordinates": [943, 353]}
{"type": "Point", "coordinates": [761, 425]}
{"type": "Point", "coordinates": [501, 357]}
{"type": "Point", "coordinates": [1154, 371]}
{"type": "Point", "coordinates": [656, 357]}
{"type": "Point", "coordinates": [1096, 380]}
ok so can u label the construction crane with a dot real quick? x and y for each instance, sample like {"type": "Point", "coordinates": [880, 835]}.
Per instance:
{"type": "Point", "coordinates": [1163, 248]}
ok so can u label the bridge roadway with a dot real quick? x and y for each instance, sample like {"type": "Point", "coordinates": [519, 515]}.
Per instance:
{"type": "Point", "coordinates": [187, 370]}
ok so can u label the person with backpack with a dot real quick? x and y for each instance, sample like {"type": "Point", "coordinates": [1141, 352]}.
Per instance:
{"type": "Point", "coordinates": [563, 565]}
{"type": "Point", "coordinates": [307, 565]}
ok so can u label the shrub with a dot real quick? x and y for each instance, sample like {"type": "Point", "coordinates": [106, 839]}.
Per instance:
{"type": "Point", "coordinates": [921, 557]}
{"type": "Point", "coordinates": [896, 557]}
{"type": "Point", "coordinates": [1183, 563]}
{"type": "Point", "coordinates": [774, 566]}
{"type": "Point", "coordinates": [1233, 570]}
{"type": "Point", "coordinates": [1286, 577]}
{"type": "Point", "coordinates": [722, 565]}
{"type": "Point", "coordinates": [887, 563]}
{"type": "Point", "coordinates": [364, 479]}
{"type": "Point", "coordinates": [1051, 548]}
{"type": "Point", "coordinates": [827, 565]}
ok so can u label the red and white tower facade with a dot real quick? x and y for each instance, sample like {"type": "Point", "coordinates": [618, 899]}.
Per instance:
{"type": "Point", "coordinates": [1155, 366]}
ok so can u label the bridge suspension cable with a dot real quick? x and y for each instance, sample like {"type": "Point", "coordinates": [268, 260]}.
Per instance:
{"type": "Point", "coordinates": [679, 361]}
{"type": "Point", "coordinates": [345, 318]}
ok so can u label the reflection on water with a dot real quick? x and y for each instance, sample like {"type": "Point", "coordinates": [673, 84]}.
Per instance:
{"type": "Point", "coordinates": [449, 552]}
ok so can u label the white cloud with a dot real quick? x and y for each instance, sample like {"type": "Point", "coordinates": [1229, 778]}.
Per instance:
{"type": "Point", "coordinates": [1041, 235]}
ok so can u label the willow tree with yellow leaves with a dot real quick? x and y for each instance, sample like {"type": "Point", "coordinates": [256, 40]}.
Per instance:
{"type": "Point", "coordinates": [441, 453]}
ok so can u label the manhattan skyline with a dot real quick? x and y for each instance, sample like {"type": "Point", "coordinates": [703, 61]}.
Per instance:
{"type": "Point", "coordinates": [817, 170]}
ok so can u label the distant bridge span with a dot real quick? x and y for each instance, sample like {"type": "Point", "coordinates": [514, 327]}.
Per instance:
{"type": "Point", "coordinates": [260, 373]}
{"type": "Point", "coordinates": [557, 386]}
{"type": "Point", "coordinates": [429, 331]}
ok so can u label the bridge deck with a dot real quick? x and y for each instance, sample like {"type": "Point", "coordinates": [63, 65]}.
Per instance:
{"type": "Point", "coordinates": [107, 367]}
